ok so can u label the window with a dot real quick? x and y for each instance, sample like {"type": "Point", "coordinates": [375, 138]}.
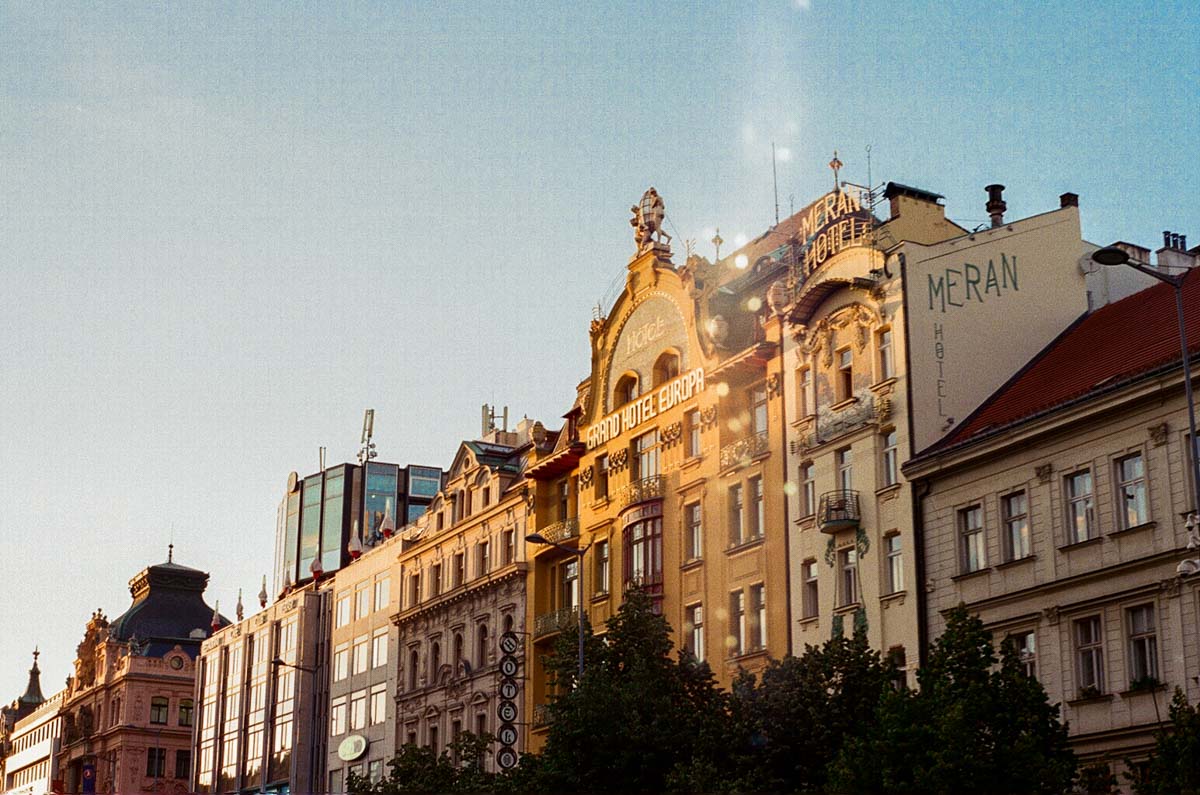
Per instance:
{"type": "Point", "coordinates": [1080, 519]}
{"type": "Point", "coordinates": [156, 762]}
{"type": "Point", "coordinates": [483, 559]}
{"type": "Point", "coordinates": [1025, 644]}
{"type": "Point", "coordinates": [845, 375]}
{"type": "Point", "coordinates": [378, 704]}
{"type": "Point", "coordinates": [342, 610]}
{"type": "Point", "coordinates": [383, 591]}
{"type": "Point", "coordinates": [414, 589]}
{"type": "Point", "coordinates": [693, 531]}
{"type": "Point", "coordinates": [375, 771]}
{"type": "Point", "coordinates": [601, 491]}
{"type": "Point", "coordinates": [895, 563]}
{"type": "Point", "coordinates": [158, 709]}
{"type": "Point", "coordinates": [845, 469]}
{"type": "Point", "coordinates": [341, 662]}
{"type": "Point", "coordinates": [602, 567]}
{"type": "Point", "coordinates": [335, 781]}
{"type": "Point", "coordinates": [183, 764]}
{"type": "Point", "coordinates": [736, 534]}
{"type": "Point", "coordinates": [1131, 491]}
{"type": "Point", "coordinates": [458, 650]}
{"type": "Point", "coordinates": [625, 390]}
{"type": "Point", "coordinates": [1089, 656]}
{"type": "Point", "coordinates": [887, 366]}
{"type": "Point", "coordinates": [337, 716]}
{"type": "Point", "coordinates": [379, 648]}
{"type": "Point", "coordinates": [643, 553]}
{"type": "Point", "coordinates": [1143, 644]}
{"type": "Point", "coordinates": [757, 520]}
{"type": "Point", "coordinates": [804, 394]}
{"type": "Point", "coordinates": [435, 580]}
{"type": "Point", "coordinates": [414, 657]}
{"type": "Point", "coordinates": [424, 481]}
{"type": "Point", "coordinates": [460, 569]}
{"type": "Point", "coordinates": [569, 584]}
{"type": "Point", "coordinates": [808, 489]}
{"type": "Point", "coordinates": [758, 409]}
{"type": "Point", "coordinates": [645, 456]}
{"type": "Point", "coordinates": [359, 655]}
{"type": "Point", "coordinates": [848, 567]}
{"type": "Point", "coordinates": [694, 629]}
{"type": "Point", "coordinates": [562, 491]}
{"type": "Point", "coordinates": [737, 622]}
{"type": "Point", "coordinates": [481, 645]}
{"type": "Point", "coordinates": [692, 429]}
{"type": "Point", "coordinates": [808, 598]}
{"type": "Point", "coordinates": [435, 662]}
{"type": "Point", "coordinates": [1016, 526]}
{"type": "Point", "coordinates": [362, 600]}
{"type": "Point", "coordinates": [358, 710]}
{"type": "Point", "coordinates": [509, 538]}
{"type": "Point", "coordinates": [433, 739]}
{"type": "Point", "coordinates": [899, 660]}
{"type": "Point", "coordinates": [666, 368]}
{"type": "Point", "coordinates": [758, 617]}
{"type": "Point", "coordinates": [186, 710]}
{"type": "Point", "coordinates": [889, 461]}
{"type": "Point", "coordinates": [971, 539]}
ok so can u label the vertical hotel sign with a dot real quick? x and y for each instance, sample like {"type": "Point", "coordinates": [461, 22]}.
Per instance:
{"type": "Point", "coordinates": [834, 222]}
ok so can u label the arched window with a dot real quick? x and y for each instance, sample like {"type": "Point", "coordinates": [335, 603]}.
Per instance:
{"type": "Point", "coordinates": [626, 389]}
{"type": "Point", "coordinates": [413, 663]}
{"type": "Point", "coordinates": [508, 622]}
{"type": "Point", "coordinates": [114, 715]}
{"type": "Point", "coordinates": [458, 649]}
{"type": "Point", "coordinates": [435, 660]}
{"type": "Point", "coordinates": [666, 367]}
{"type": "Point", "coordinates": [482, 651]}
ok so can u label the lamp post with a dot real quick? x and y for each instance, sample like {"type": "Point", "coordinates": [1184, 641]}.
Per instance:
{"type": "Point", "coordinates": [1112, 256]}
{"type": "Point", "coordinates": [538, 538]}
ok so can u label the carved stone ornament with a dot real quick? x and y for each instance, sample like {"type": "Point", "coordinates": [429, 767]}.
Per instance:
{"type": "Point", "coordinates": [708, 416]}
{"type": "Point", "coordinates": [1043, 472]}
{"type": "Point", "coordinates": [1170, 586]}
{"type": "Point", "coordinates": [585, 477]}
{"type": "Point", "coordinates": [883, 409]}
{"type": "Point", "coordinates": [672, 433]}
{"type": "Point", "coordinates": [619, 459]}
{"type": "Point", "coordinates": [647, 221]}
{"type": "Point", "coordinates": [1051, 614]}
{"type": "Point", "coordinates": [1158, 434]}
{"type": "Point", "coordinates": [773, 382]}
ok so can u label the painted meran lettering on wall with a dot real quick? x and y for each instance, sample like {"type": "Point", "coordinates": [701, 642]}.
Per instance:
{"type": "Point", "coordinates": [955, 287]}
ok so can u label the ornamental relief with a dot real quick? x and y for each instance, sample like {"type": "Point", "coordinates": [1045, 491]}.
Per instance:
{"type": "Point", "coordinates": [856, 320]}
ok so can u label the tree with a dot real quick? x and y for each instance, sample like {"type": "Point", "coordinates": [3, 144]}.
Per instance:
{"type": "Point", "coordinates": [637, 716]}
{"type": "Point", "coordinates": [421, 770]}
{"type": "Point", "coordinates": [969, 727]}
{"type": "Point", "coordinates": [1175, 766]}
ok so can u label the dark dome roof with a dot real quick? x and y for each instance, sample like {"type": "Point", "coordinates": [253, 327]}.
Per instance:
{"type": "Point", "coordinates": [168, 608]}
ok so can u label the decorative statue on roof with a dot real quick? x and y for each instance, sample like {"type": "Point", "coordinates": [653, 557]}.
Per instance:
{"type": "Point", "coordinates": [647, 220]}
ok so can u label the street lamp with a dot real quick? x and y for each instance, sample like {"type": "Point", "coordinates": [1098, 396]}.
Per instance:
{"type": "Point", "coordinates": [1111, 256]}
{"type": "Point", "coordinates": [538, 538]}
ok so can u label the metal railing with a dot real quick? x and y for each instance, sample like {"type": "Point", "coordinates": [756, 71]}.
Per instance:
{"type": "Point", "coordinates": [641, 490]}
{"type": "Point", "coordinates": [744, 450]}
{"type": "Point", "coordinates": [838, 510]}
{"type": "Point", "coordinates": [554, 621]}
{"type": "Point", "coordinates": [561, 531]}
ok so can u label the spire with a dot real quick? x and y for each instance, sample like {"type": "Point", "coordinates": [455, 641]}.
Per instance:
{"type": "Point", "coordinates": [241, 611]}
{"type": "Point", "coordinates": [33, 692]}
{"type": "Point", "coordinates": [171, 552]}
{"type": "Point", "coordinates": [262, 595]}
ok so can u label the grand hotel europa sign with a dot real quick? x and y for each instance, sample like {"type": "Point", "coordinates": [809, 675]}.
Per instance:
{"type": "Point", "coordinates": [647, 407]}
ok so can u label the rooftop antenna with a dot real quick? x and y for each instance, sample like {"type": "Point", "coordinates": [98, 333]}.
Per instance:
{"type": "Point", "coordinates": [321, 458]}
{"type": "Point", "coordinates": [870, 184]}
{"type": "Point", "coordinates": [791, 204]}
{"type": "Point", "coordinates": [367, 451]}
{"type": "Point", "coordinates": [775, 181]}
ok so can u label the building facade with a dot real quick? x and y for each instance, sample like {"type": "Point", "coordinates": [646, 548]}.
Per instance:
{"type": "Point", "coordinates": [1056, 513]}
{"type": "Point", "coordinates": [128, 711]}
{"type": "Point", "coordinates": [262, 688]}
{"type": "Point", "coordinates": [30, 734]}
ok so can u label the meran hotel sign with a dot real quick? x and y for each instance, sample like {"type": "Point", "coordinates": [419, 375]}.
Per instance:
{"type": "Point", "coordinates": [647, 407]}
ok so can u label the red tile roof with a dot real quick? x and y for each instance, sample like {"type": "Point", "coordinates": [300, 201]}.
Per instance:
{"type": "Point", "coordinates": [1112, 345]}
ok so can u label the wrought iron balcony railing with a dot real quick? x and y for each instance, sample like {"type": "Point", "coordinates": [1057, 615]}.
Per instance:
{"type": "Point", "coordinates": [838, 510]}
{"type": "Point", "coordinates": [554, 621]}
{"type": "Point", "coordinates": [561, 531]}
{"type": "Point", "coordinates": [641, 490]}
{"type": "Point", "coordinates": [744, 450]}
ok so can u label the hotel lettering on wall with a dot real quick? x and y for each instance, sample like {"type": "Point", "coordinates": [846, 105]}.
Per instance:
{"type": "Point", "coordinates": [646, 407]}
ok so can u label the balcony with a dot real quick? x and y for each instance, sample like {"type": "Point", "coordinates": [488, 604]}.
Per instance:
{"type": "Point", "coordinates": [554, 621]}
{"type": "Point", "coordinates": [838, 510]}
{"type": "Point", "coordinates": [641, 490]}
{"type": "Point", "coordinates": [744, 450]}
{"type": "Point", "coordinates": [561, 531]}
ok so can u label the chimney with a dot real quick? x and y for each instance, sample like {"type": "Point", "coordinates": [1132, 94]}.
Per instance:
{"type": "Point", "coordinates": [1068, 200]}
{"type": "Point", "coordinates": [995, 204]}
{"type": "Point", "coordinates": [1173, 256]}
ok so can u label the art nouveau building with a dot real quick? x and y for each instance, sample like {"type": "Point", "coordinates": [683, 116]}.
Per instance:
{"type": "Point", "coordinates": [459, 575]}
{"type": "Point", "coordinates": [1056, 512]}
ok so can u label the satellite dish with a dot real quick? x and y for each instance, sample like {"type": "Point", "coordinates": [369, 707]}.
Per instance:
{"type": "Point", "coordinates": [293, 481]}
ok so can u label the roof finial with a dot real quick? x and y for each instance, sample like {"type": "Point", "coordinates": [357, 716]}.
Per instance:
{"type": "Point", "coordinates": [263, 595]}
{"type": "Point", "coordinates": [171, 553]}
{"type": "Point", "coordinates": [240, 609]}
{"type": "Point", "coordinates": [836, 165]}
{"type": "Point", "coordinates": [35, 656]}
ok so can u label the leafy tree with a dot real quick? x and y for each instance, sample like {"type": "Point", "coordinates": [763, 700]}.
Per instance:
{"type": "Point", "coordinates": [421, 770]}
{"type": "Point", "coordinates": [637, 716]}
{"type": "Point", "coordinates": [1175, 767]}
{"type": "Point", "coordinates": [1096, 779]}
{"type": "Point", "coordinates": [969, 728]}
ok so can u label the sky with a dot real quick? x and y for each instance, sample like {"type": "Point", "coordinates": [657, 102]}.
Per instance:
{"type": "Point", "coordinates": [226, 230]}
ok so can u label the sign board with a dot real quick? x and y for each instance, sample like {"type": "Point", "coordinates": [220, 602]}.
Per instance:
{"type": "Point", "coordinates": [981, 306]}
{"type": "Point", "coordinates": [509, 642]}
{"type": "Point", "coordinates": [646, 407]}
{"type": "Point", "coordinates": [507, 758]}
{"type": "Point", "coordinates": [507, 711]}
{"type": "Point", "coordinates": [508, 665]}
{"type": "Point", "coordinates": [507, 734]}
{"type": "Point", "coordinates": [508, 690]}
{"type": "Point", "coordinates": [352, 748]}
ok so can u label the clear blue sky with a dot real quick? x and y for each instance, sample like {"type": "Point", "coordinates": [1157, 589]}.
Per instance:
{"type": "Point", "coordinates": [227, 230]}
